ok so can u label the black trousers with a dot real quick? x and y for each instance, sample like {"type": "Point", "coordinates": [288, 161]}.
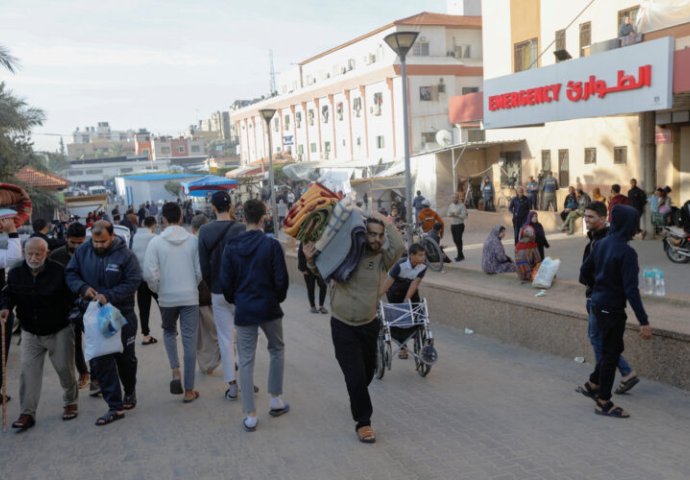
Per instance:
{"type": "Point", "coordinates": [355, 350]}
{"type": "Point", "coordinates": [457, 231]}
{"type": "Point", "coordinates": [311, 281]}
{"type": "Point", "coordinates": [612, 327]}
{"type": "Point", "coordinates": [112, 369]}
{"type": "Point", "coordinates": [79, 361]}
{"type": "Point", "coordinates": [144, 296]}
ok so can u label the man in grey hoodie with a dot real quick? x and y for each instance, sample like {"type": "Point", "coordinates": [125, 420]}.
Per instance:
{"type": "Point", "coordinates": [171, 268]}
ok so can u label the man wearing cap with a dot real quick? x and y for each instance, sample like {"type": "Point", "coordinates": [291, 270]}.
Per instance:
{"type": "Point", "coordinates": [354, 324]}
{"type": "Point", "coordinates": [8, 257]}
{"type": "Point", "coordinates": [212, 239]}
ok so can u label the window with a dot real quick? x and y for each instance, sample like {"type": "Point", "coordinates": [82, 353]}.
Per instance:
{"type": "Point", "coordinates": [276, 125]}
{"type": "Point", "coordinates": [310, 116]}
{"type": "Point", "coordinates": [511, 173]}
{"type": "Point", "coordinates": [359, 141]}
{"type": "Point", "coordinates": [590, 156]}
{"type": "Point", "coordinates": [421, 47]}
{"type": "Point", "coordinates": [546, 160]}
{"type": "Point", "coordinates": [126, 170]}
{"type": "Point", "coordinates": [378, 101]}
{"type": "Point", "coordinates": [286, 122]}
{"type": "Point", "coordinates": [326, 149]}
{"type": "Point", "coordinates": [324, 114]}
{"type": "Point", "coordinates": [196, 149]}
{"type": "Point", "coordinates": [628, 12]}
{"type": "Point", "coordinates": [476, 135]}
{"type": "Point", "coordinates": [312, 147]}
{"type": "Point", "coordinates": [298, 119]}
{"type": "Point", "coordinates": [380, 142]}
{"type": "Point", "coordinates": [563, 168]}
{"type": "Point", "coordinates": [95, 171]}
{"type": "Point", "coordinates": [620, 155]}
{"type": "Point", "coordinates": [462, 51]}
{"type": "Point", "coordinates": [428, 137]}
{"type": "Point", "coordinates": [180, 149]}
{"type": "Point", "coordinates": [560, 39]}
{"type": "Point", "coordinates": [585, 38]}
{"type": "Point", "coordinates": [441, 86]}
{"type": "Point", "coordinates": [525, 54]}
{"type": "Point", "coordinates": [339, 111]}
{"type": "Point", "coordinates": [357, 106]}
{"type": "Point", "coordinates": [165, 149]}
{"type": "Point", "coordinates": [466, 90]}
{"type": "Point", "coordinates": [145, 152]}
{"type": "Point", "coordinates": [428, 94]}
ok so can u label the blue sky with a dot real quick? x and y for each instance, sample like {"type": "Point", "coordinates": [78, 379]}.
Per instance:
{"type": "Point", "coordinates": [162, 65]}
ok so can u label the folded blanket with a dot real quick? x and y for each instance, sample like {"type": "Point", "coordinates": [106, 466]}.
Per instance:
{"type": "Point", "coordinates": [349, 265]}
{"type": "Point", "coordinates": [313, 225]}
{"type": "Point", "coordinates": [316, 197]}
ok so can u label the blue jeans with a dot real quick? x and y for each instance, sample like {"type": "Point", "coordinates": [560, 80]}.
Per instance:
{"type": "Point", "coordinates": [189, 325]}
{"type": "Point", "coordinates": [597, 341]}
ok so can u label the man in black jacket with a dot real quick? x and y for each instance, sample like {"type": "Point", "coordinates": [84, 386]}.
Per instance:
{"type": "Point", "coordinates": [37, 288]}
{"type": "Point", "coordinates": [105, 270]}
{"type": "Point", "coordinates": [612, 270]}
{"type": "Point", "coordinates": [637, 198]}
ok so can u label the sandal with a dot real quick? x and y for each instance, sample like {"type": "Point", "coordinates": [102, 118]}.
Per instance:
{"type": "Point", "coordinates": [403, 355]}
{"type": "Point", "coordinates": [366, 434]}
{"type": "Point", "coordinates": [194, 396]}
{"type": "Point", "coordinates": [24, 422]}
{"type": "Point", "coordinates": [70, 412]}
{"type": "Point", "coordinates": [588, 391]}
{"type": "Point", "coordinates": [150, 341]}
{"type": "Point", "coordinates": [610, 410]}
{"type": "Point", "coordinates": [626, 385]}
{"type": "Point", "coordinates": [109, 417]}
{"type": "Point", "coordinates": [129, 402]}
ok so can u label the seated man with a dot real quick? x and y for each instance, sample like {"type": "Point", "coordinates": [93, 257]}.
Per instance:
{"type": "Point", "coordinates": [402, 283]}
{"type": "Point", "coordinates": [428, 218]}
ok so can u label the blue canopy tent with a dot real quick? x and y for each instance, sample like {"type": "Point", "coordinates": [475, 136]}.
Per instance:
{"type": "Point", "coordinates": [209, 184]}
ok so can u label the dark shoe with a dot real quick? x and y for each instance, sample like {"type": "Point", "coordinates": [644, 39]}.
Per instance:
{"type": "Point", "coordinates": [626, 385]}
{"type": "Point", "coordinates": [109, 417]}
{"type": "Point", "coordinates": [588, 391]}
{"type": "Point", "coordinates": [150, 341]}
{"type": "Point", "coordinates": [24, 422]}
{"type": "Point", "coordinates": [176, 386]}
{"type": "Point", "coordinates": [129, 402]}
{"type": "Point", "coordinates": [70, 412]}
{"type": "Point", "coordinates": [608, 409]}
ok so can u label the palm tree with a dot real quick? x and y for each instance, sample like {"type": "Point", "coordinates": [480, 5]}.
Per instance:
{"type": "Point", "coordinates": [8, 61]}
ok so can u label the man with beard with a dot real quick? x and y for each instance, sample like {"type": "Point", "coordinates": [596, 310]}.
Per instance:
{"type": "Point", "coordinates": [354, 324]}
{"type": "Point", "coordinates": [76, 234]}
{"type": "Point", "coordinates": [37, 288]}
{"type": "Point", "coordinates": [105, 270]}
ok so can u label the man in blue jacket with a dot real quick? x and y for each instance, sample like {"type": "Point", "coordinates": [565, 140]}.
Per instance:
{"type": "Point", "coordinates": [254, 277]}
{"type": "Point", "coordinates": [105, 270]}
{"type": "Point", "coordinates": [613, 271]}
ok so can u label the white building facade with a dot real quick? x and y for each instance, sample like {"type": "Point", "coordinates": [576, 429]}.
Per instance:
{"type": "Point", "coordinates": [344, 105]}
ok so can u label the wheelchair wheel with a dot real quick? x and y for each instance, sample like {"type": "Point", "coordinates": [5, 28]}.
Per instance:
{"type": "Point", "coordinates": [380, 358]}
{"type": "Point", "coordinates": [434, 255]}
{"type": "Point", "coordinates": [420, 344]}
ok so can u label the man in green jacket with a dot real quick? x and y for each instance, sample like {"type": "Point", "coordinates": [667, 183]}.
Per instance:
{"type": "Point", "coordinates": [354, 324]}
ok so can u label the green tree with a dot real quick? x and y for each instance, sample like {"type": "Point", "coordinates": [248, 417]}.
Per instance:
{"type": "Point", "coordinates": [175, 188]}
{"type": "Point", "coordinates": [7, 61]}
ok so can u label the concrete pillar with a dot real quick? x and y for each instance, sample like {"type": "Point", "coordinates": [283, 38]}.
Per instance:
{"type": "Point", "coordinates": [648, 162]}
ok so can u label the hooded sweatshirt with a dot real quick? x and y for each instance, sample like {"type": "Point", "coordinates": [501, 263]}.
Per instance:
{"type": "Point", "coordinates": [171, 267]}
{"type": "Point", "coordinates": [254, 277]}
{"type": "Point", "coordinates": [612, 266]}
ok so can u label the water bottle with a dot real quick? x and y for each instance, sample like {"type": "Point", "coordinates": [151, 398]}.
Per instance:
{"type": "Point", "coordinates": [660, 284]}
{"type": "Point", "coordinates": [649, 276]}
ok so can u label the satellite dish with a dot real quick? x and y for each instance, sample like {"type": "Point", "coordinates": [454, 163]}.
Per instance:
{"type": "Point", "coordinates": [444, 138]}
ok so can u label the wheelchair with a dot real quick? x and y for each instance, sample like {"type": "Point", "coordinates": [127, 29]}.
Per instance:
{"type": "Point", "coordinates": [400, 324]}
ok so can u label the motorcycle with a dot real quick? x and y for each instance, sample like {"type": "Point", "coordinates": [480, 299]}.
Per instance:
{"type": "Point", "coordinates": [676, 244]}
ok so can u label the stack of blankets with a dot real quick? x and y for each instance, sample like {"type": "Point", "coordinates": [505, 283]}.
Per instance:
{"type": "Point", "coordinates": [338, 231]}
{"type": "Point", "coordinates": [15, 202]}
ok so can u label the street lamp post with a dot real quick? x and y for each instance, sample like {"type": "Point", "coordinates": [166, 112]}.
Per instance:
{"type": "Point", "coordinates": [400, 43]}
{"type": "Point", "coordinates": [267, 114]}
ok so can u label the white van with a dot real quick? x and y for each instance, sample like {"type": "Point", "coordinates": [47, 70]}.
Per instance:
{"type": "Point", "coordinates": [97, 190]}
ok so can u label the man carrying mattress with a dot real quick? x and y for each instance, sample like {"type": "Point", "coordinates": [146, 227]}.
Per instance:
{"type": "Point", "coordinates": [354, 325]}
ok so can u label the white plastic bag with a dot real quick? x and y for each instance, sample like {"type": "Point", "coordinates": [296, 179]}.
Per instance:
{"type": "Point", "coordinates": [95, 343]}
{"type": "Point", "coordinates": [547, 272]}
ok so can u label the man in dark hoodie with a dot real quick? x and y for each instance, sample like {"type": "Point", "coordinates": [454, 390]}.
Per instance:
{"type": "Point", "coordinates": [104, 269]}
{"type": "Point", "coordinates": [595, 220]}
{"type": "Point", "coordinates": [254, 277]}
{"type": "Point", "coordinates": [212, 239]}
{"type": "Point", "coordinates": [612, 270]}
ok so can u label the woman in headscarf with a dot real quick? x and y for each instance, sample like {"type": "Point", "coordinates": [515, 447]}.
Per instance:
{"type": "Point", "coordinates": [526, 252]}
{"type": "Point", "coordinates": [540, 235]}
{"type": "Point", "coordinates": [494, 258]}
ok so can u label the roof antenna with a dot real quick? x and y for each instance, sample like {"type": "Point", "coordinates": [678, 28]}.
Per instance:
{"type": "Point", "coordinates": [272, 73]}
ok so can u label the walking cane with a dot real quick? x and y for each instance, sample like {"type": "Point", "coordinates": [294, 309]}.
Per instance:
{"type": "Point", "coordinates": [4, 378]}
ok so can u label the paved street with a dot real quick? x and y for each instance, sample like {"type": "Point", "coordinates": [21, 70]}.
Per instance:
{"type": "Point", "coordinates": [486, 411]}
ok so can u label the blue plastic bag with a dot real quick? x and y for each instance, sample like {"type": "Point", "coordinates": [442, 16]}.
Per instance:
{"type": "Point", "coordinates": [110, 320]}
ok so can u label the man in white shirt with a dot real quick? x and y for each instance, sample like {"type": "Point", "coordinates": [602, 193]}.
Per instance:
{"type": "Point", "coordinates": [457, 213]}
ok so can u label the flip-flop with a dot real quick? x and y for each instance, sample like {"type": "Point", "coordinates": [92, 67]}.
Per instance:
{"type": "Point", "coordinates": [366, 434]}
{"type": "Point", "coordinates": [176, 386]}
{"type": "Point", "coordinates": [109, 417]}
{"type": "Point", "coordinates": [277, 412]}
{"type": "Point", "coordinates": [625, 386]}
{"type": "Point", "coordinates": [194, 396]}
{"type": "Point", "coordinates": [151, 341]}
